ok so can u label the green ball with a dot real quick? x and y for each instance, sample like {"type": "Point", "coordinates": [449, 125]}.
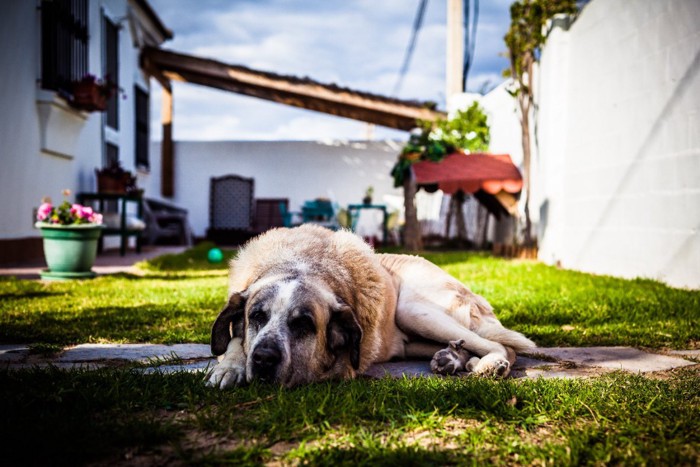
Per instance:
{"type": "Point", "coordinates": [215, 255]}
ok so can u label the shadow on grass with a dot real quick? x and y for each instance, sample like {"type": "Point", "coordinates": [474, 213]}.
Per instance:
{"type": "Point", "coordinates": [171, 276]}
{"type": "Point", "coordinates": [81, 416]}
{"type": "Point", "coordinates": [22, 294]}
{"type": "Point", "coordinates": [144, 323]}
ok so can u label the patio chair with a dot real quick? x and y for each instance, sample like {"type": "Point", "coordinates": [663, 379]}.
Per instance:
{"type": "Point", "coordinates": [269, 213]}
{"type": "Point", "coordinates": [290, 218]}
{"type": "Point", "coordinates": [164, 220]}
{"type": "Point", "coordinates": [322, 212]}
{"type": "Point", "coordinates": [231, 209]}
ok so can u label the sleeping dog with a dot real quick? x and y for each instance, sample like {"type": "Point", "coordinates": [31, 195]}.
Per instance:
{"type": "Point", "coordinates": [308, 304]}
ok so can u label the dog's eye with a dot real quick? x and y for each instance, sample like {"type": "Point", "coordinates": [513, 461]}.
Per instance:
{"type": "Point", "coordinates": [302, 325]}
{"type": "Point", "coordinates": [258, 317]}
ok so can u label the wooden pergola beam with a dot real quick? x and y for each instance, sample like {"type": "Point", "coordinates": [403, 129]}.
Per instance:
{"type": "Point", "coordinates": [288, 90]}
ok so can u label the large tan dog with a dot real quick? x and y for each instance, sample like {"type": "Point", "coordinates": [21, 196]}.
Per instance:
{"type": "Point", "coordinates": [308, 304]}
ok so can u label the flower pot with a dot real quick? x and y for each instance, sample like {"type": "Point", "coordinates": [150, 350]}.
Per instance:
{"type": "Point", "coordinates": [88, 96]}
{"type": "Point", "coordinates": [69, 250]}
{"type": "Point", "coordinates": [119, 183]}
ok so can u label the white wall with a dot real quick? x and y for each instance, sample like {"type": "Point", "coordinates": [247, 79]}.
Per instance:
{"type": "Point", "coordinates": [619, 141]}
{"type": "Point", "coordinates": [298, 170]}
{"type": "Point", "coordinates": [28, 173]}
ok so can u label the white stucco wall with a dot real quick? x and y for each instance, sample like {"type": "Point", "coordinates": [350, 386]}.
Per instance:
{"type": "Point", "coordinates": [26, 172]}
{"type": "Point", "coordinates": [298, 170]}
{"type": "Point", "coordinates": [619, 141]}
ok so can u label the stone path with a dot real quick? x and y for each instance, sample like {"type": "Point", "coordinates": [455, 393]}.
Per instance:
{"type": "Point", "coordinates": [555, 362]}
{"type": "Point", "coordinates": [107, 262]}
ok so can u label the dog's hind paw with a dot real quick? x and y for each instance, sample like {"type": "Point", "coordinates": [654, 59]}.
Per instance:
{"type": "Point", "coordinates": [492, 365]}
{"type": "Point", "coordinates": [451, 360]}
{"type": "Point", "coordinates": [222, 376]}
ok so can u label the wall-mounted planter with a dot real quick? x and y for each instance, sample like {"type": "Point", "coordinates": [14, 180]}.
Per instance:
{"type": "Point", "coordinates": [89, 96]}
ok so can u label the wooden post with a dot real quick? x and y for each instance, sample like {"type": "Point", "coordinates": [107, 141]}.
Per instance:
{"type": "Point", "coordinates": [412, 233]}
{"type": "Point", "coordinates": [166, 159]}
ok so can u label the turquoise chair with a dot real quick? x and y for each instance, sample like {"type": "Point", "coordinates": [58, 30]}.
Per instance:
{"type": "Point", "coordinates": [322, 212]}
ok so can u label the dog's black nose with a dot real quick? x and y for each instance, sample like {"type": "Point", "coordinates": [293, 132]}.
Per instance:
{"type": "Point", "coordinates": [266, 357]}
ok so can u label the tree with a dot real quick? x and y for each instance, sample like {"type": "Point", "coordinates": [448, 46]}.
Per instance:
{"type": "Point", "coordinates": [524, 39]}
{"type": "Point", "coordinates": [468, 130]}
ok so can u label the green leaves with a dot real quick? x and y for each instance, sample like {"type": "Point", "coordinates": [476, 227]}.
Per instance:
{"type": "Point", "coordinates": [468, 130]}
{"type": "Point", "coordinates": [525, 37]}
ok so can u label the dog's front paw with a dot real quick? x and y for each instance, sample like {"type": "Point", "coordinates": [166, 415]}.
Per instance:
{"type": "Point", "coordinates": [225, 376]}
{"type": "Point", "coordinates": [492, 365]}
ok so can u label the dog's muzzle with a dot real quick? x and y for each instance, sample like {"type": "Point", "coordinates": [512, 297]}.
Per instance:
{"type": "Point", "coordinates": [266, 358]}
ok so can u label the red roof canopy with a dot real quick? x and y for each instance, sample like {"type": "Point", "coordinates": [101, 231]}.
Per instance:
{"type": "Point", "coordinates": [470, 173]}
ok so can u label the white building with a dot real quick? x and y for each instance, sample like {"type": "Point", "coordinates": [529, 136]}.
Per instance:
{"type": "Point", "coordinates": [47, 144]}
{"type": "Point", "coordinates": [616, 157]}
{"type": "Point", "coordinates": [296, 170]}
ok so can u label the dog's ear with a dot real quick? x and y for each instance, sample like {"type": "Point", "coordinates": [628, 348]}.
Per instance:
{"type": "Point", "coordinates": [228, 324]}
{"type": "Point", "coordinates": [344, 334]}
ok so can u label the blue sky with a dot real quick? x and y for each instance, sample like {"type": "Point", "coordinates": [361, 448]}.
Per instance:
{"type": "Point", "coordinates": [358, 44]}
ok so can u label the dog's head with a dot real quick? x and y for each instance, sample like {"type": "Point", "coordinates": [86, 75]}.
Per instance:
{"type": "Point", "coordinates": [294, 329]}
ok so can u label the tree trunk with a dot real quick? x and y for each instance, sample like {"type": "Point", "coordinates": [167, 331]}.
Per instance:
{"type": "Point", "coordinates": [526, 176]}
{"type": "Point", "coordinates": [485, 232]}
{"type": "Point", "coordinates": [526, 98]}
{"type": "Point", "coordinates": [411, 233]}
{"type": "Point", "coordinates": [448, 219]}
{"type": "Point", "coordinates": [458, 199]}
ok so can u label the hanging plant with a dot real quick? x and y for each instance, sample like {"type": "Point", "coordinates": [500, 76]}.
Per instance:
{"type": "Point", "coordinates": [468, 130]}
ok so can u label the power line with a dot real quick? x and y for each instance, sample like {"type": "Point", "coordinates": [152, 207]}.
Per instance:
{"type": "Point", "coordinates": [469, 39]}
{"type": "Point", "coordinates": [417, 23]}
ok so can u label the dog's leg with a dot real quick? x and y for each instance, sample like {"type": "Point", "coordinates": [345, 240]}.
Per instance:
{"type": "Point", "coordinates": [230, 371]}
{"type": "Point", "coordinates": [434, 324]}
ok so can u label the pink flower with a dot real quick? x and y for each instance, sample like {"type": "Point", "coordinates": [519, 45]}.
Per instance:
{"type": "Point", "coordinates": [95, 218]}
{"type": "Point", "coordinates": [81, 212]}
{"type": "Point", "coordinates": [44, 211]}
{"type": "Point", "coordinates": [77, 211]}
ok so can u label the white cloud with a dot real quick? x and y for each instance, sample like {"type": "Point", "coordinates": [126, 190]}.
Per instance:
{"type": "Point", "coordinates": [358, 44]}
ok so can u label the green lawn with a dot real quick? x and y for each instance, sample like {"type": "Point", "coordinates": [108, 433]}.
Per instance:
{"type": "Point", "coordinates": [121, 415]}
{"type": "Point", "coordinates": [180, 295]}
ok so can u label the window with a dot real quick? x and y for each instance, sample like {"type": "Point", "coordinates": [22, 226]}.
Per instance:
{"type": "Point", "coordinates": [111, 155]}
{"type": "Point", "coordinates": [111, 68]}
{"type": "Point", "coordinates": [141, 119]}
{"type": "Point", "coordinates": [64, 43]}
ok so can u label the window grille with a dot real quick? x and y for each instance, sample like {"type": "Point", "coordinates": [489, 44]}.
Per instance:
{"type": "Point", "coordinates": [64, 43]}
{"type": "Point", "coordinates": [141, 118]}
{"type": "Point", "coordinates": [111, 68]}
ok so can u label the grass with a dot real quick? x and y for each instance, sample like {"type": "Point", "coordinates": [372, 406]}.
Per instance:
{"type": "Point", "coordinates": [53, 417]}
{"type": "Point", "coordinates": [122, 415]}
{"type": "Point", "coordinates": [178, 297]}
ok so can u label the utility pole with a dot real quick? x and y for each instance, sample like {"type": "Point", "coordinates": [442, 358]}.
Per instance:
{"type": "Point", "coordinates": [455, 49]}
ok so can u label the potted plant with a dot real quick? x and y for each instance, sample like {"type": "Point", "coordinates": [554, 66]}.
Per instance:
{"type": "Point", "coordinates": [92, 93]}
{"type": "Point", "coordinates": [114, 179]}
{"type": "Point", "coordinates": [368, 195]}
{"type": "Point", "coordinates": [70, 233]}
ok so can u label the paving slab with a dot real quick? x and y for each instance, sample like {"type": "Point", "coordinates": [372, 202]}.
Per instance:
{"type": "Point", "coordinates": [556, 362]}
{"type": "Point", "coordinates": [133, 352]}
{"type": "Point", "coordinates": [190, 367]}
{"type": "Point", "coordinates": [13, 353]}
{"type": "Point", "coordinates": [615, 358]}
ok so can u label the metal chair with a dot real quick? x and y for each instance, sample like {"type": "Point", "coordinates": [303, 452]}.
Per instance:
{"type": "Point", "coordinates": [322, 212]}
{"type": "Point", "coordinates": [231, 209]}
